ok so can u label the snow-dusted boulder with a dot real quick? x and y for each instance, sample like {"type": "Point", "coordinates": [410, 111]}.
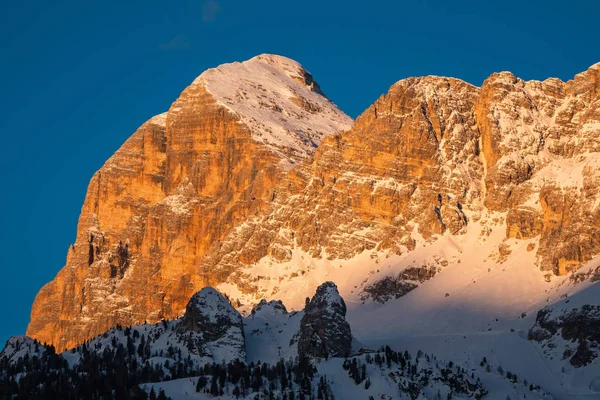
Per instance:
{"type": "Point", "coordinates": [324, 331]}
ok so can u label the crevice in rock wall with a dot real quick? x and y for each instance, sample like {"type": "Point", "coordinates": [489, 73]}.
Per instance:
{"type": "Point", "coordinates": [91, 252]}
{"type": "Point", "coordinates": [123, 254]}
{"type": "Point", "coordinates": [483, 160]}
{"type": "Point", "coordinates": [438, 213]}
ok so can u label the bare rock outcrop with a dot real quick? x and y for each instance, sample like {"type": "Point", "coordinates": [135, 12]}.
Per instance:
{"type": "Point", "coordinates": [395, 287]}
{"type": "Point", "coordinates": [324, 331]}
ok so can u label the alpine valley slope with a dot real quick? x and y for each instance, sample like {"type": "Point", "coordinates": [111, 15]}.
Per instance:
{"type": "Point", "coordinates": [445, 211]}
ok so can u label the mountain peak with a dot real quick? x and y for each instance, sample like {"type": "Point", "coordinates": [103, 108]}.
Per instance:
{"type": "Point", "coordinates": [328, 292]}
{"type": "Point", "coordinates": [160, 119]}
{"type": "Point", "coordinates": [279, 101]}
{"type": "Point", "coordinates": [292, 68]}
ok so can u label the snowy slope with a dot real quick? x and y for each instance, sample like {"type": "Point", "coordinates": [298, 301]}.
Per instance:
{"type": "Point", "coordinates": [482, 283]}
{"type": "Point", "coordinates": [482, 300]}
{"type": "Point", "coordinates": [567, 334]}
{"type": "Point", "coordinates": [160, 342]}
{"type": "Point", "coordinates": [18, 346]}
{"type": "Point", "coordinates": [430, 379]}
{"type": "Point", "coordinates": [269, 332]}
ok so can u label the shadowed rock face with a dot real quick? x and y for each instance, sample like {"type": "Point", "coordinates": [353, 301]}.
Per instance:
{"type": "Point", "coordinates": [212, 186]}
{"type": "Point", "coordinates": [580, 326]}
{"type": "Point", "coordinates": [324, 331]}
{"type": "Point", "coordinates": [210, 331]}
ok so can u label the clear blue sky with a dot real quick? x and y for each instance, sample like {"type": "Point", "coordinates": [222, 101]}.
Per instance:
{"type": "Point", "coordinates": [78, 77]}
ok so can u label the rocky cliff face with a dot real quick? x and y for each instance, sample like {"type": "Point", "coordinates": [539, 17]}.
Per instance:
{"type": "Point", "coordinates": [540, 141]}
{"type": "Point", "coordinates": [432, 156]}
{"type": "Point", "coordinates": [324, 331]}
{"type": "Point", "coordinates": [232, 176]}
{"type": "Point", "coordinates": [175, 189]}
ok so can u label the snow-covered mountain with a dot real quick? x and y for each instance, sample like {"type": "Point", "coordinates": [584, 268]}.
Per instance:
{"type": "Point", "coordinates": [213, 331]}
{"type": "Point", "coordinates": [210, 331]}
{"type": "Point", "coordinates": [227, 189]}
{"type": "Point", "coordinates": [454, 219]}
{"type": "Point", "coordinates": [270, 332]}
